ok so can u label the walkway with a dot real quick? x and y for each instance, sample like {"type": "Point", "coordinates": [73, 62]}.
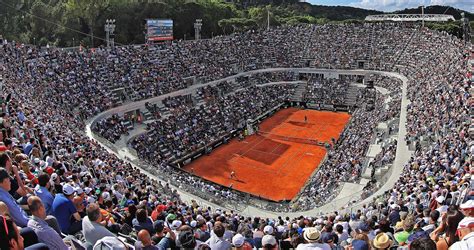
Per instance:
{"type": "Point", "coordinates": [402, 155]}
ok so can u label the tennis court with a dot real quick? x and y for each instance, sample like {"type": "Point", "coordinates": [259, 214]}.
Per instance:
{"type": "Point", "coordinates": [276, 163]}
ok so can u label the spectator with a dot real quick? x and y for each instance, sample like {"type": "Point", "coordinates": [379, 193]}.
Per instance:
{"type": "Point", "coordinates": [168, 239]}
{"type": "Point", "coordinates": [433, 220]}
{"type": "Point", "coordinates": [238, 241]}
{"type": "Point", "coordinates": [269, 242]}
{"type": "Point", "coordinates": [143, 222]}
{"type": "Point", "coordinates": [92, 227]}
{"type": "Point", "coordinates": [216, 241]}
{"type": "Point", "coordinates": [16, 188]}
{"type": "Point", "coordinates": [11, 238]}
{"type": "Point", "coordinates": [64, 210]}
{"type": "Point", "coordinates": [407, 226]}
{"type": "Point", "coordinates": [312, 237]}
{"type": "Point", "coordinates": [145, 242]}
{"type": "Point", "coordinates": [466, 234]}
{"type": "Point", "coordinates": [468, 208]}
{"type": "Point", "coordinates": [423, 244]}
{"type": "Point", "coordinates": [341, 234]}
{"type": "Point", "coordinates": [187, 241]}
{"type": "Point", "coordinates": [45, 233]}
{"type": "Point", "coordinates": [445, 235]}
{"type": "Point", "coordinates": [382, 242]}
{"type": "Point", "coordinates": [202, 233]}
{"type": "Point", "coordinates": [110, 243]}
{"type": "Point", "coordinates": [16, 212]}
{"type": "Point", "coordinates": [42, 191]}
{"type": "Point", "coordinates": [29, 146]}
{"type": "Point", "coordinates": [158, 226]}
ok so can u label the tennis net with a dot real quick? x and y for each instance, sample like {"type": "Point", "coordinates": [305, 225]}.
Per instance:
{"type": "Point", "coordinates": [290, 139]}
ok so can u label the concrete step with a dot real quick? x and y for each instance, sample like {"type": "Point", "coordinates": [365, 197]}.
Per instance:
{"type": "Point", "coordinates": [381, 171]}
{"type": "Point", "coordinates": [364, 181]}
{"type": "Point", "coordinates": [367, 173]}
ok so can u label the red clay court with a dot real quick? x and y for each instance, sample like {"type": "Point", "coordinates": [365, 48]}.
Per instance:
{"type": "Point", "coordinates": [275, 169]}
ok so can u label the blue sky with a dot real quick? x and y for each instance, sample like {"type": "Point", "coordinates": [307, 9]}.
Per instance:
{"type": "Point", "coordinates": [390, 5]}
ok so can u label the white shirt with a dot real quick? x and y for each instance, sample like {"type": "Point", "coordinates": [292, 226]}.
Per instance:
{"type": "Point", "coordinates": [344, 224]}
{"type": "Point", "coordinates": [317, 246]}
{"type": "Point", "coordinates": [442, 209]}
{"type": "Point", "coordinates": [466, 243]}
{"type": "Point", "coordinates": [342, 237]}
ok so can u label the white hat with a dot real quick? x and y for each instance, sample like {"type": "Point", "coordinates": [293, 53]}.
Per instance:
{"type": "Point", "coordinates": [68, 189]}
{"type": "Point", "coordinates": [238, 240]}
{"type": "Point", "coordinates": [87, 190]}
{"type": "Point", "coordinates": [467, 205]}
{"type": "Point", "coordinates": [268, 229]}
{"type": "Point", "coordinates": [440, 199]}
{"type": "Point", "coordinates": [268, 240]}
{"type": "Point", "coordinates": [109, 242]}
{"type": "Point", "coordinates": [106, 195]}
{"type": "Point", "coordinates": [54, 176]}
{"type": "Point", "coordinates": [90, 199]}
{"type": "Point", "coordinates": [467, 222]}
{"type": "Point", "coordinates": [176, 224]}
{"type": "Point", "coordinates": [43, 164]}
{"type": "Point", "coordinates": [193, 224]}
{"type": "Point", "coordinates": [78, 190]}
{"type": "Point", "coordinates": [311, 234]}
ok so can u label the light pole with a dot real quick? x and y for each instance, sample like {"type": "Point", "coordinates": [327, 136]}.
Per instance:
{"type": "Point", "coordinates": [268, 19]}
{"type": "Point", "coordinates": [466, 28]}
{"type": "Point", "coordinates": [73, 42]}
{"type": "Point", "coordinates": [422, 16]}
{"type": "Point", "coordinates": [197, 29]}
{"type": "Point", "coordinates": [109, 32]}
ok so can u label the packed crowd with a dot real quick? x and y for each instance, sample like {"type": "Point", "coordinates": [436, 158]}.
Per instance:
{"type": "Point", "coordinates": [111, 128]}
{"type": "Point", "coordinates": [344, 46]}
{"type": "Point", "coordinates": [326, 91]}
{"type": "Point", "coordinates": [55, 181]}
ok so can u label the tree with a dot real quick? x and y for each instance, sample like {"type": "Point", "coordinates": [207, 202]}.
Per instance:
{"type": "Point", "coordinates": [68, 22]}
{"type": "Point", "coordinates": [88, 12]}
{"type": "Point", "coordinates": [236, 24]}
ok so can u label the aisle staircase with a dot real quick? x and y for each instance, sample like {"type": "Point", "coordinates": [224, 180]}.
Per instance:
{"type": "Point", "coordinates": [369, 49]}
{"type": "Point", "coordinates": [395, 62]}
{"type": "Point", "coordinates": [299, 92]}
{"type": "Point", "coordinates": [351, 95]}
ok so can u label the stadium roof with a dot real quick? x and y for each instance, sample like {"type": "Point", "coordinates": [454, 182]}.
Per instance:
{"type": "Point", "coordinates": [410, 17]}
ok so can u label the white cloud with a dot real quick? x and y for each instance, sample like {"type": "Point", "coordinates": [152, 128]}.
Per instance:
{"type": "Point", "coordinates": [460, 4]}
{"type": "Point", "coordinates": [391, 5]}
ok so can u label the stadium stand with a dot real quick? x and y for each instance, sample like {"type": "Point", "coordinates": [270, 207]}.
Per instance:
{"type": "Point", "coordinates": [56, 182]}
